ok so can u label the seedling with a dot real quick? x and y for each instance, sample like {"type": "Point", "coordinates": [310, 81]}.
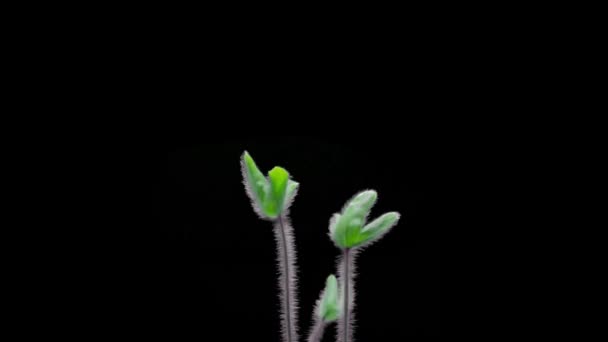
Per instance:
{"type": "Point", "coordinates": [271, 197]}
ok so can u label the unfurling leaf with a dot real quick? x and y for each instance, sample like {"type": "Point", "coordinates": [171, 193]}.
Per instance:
{"type": "Point", "coordinates": [270, 196]}
{"type": "Point", "coordinates": [255, 178]}
{"type": "Point", "coordinates": [278, 177]}
{"type": "Point", "coordinates": [378, 227]}
{"type": "Point", "coordinates": [347, 229]}
{"type": "Point", "coordinates": [329, 308]}
{"type": "Point", "coordinates": [292, 189]}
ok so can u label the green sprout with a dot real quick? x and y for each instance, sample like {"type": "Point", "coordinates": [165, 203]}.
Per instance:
{"type": "Point", "coordinates": [328, 309]}
{"type": "Point", "coordinates": [348, 229]}
{"type": "Point", "coordinates": [271, 197]}
{"type": "Point", "coordinates": [349, 232]}
{"type": "Point", "coordinates": [329, 305]}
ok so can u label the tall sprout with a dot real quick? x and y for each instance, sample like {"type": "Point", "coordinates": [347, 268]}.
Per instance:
{"type": "Point", "coordinates": [271, 198]}
{"type": "Point", "coordinates": [350, 232]}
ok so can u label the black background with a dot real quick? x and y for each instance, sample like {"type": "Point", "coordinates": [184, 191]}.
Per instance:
{"type": "Point", "coordinates": [204, 264]}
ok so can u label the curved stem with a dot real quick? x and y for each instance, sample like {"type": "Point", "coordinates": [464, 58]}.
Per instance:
{"type": "Point", "coordinates": [317, 332]}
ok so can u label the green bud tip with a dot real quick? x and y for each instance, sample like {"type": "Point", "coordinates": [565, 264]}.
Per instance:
{"type": "Point", "coordinates": [329, 306]}
{"type": "Point", "coordinates": [348, 229]}
{"type": "Point", "coordinates": [269, 195]}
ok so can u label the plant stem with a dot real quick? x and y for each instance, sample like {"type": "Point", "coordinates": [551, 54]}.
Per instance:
{"type": "Point", "coordinates": [346, 288]}
{"type": "Point", "coordinates": [287, 263]}
{"type": "Point", "coordinates": [317, 331]}
{"type": "Point", "coordinates": [286, 281]}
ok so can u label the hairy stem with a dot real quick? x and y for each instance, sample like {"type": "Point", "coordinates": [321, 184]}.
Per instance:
{"type": "Point", "coordinates": [286, 255]}
{"type": "Point", "coordinates": [286, 281]}
{"type": "Point", "coordinates": [317, 331]}
{"type": "Point", "coordinates": [347, 269]}
{"type": "Point", "coordinates": [346, 298]}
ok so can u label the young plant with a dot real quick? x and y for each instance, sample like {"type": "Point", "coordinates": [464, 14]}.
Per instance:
{"type": "Point", "coordinates": [349, 232]}
{"type": "Point", "coordinates": [327, 310]}
{"type": "Point", "coordinates": [271, 197]}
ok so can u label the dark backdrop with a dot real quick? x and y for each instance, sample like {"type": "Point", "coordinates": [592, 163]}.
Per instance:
{"type": "Point", "coordinates": [205, 265]}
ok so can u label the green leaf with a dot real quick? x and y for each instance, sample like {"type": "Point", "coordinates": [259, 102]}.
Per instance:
{"type": "Point", "coordinates": [332, 224]}
{"type": "Point", "coordinates": [337, 229]}
{"type": "Point", "coordinates": [346, 232]}
{"type": "Point", "coordinates": [255, 179]}
{"type": "Point", "coordinates": [270, 195]}
{"type": "Point", "coordinates": [365, 200]}
{"type": "Point", "coordinates": [329, 307]}
{"type": "Point", "coordinates": [356, 214]}
{"type": "Point", "coordinates": [292, 189]}
{"type": "Point", "coordinates": [279, 178]}
{"type": "Point", "coordinates": [378, 227]}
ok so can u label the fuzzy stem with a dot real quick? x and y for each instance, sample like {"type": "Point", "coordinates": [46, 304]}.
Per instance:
{"type": "Point", "coordinates": [317, 331]}
{"type": "Point", "coordinates": [286, 263]}
{"type": "Point", "coordinates": [346, 298]}
{"type": "Point", "coordinates": [286, 281]}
